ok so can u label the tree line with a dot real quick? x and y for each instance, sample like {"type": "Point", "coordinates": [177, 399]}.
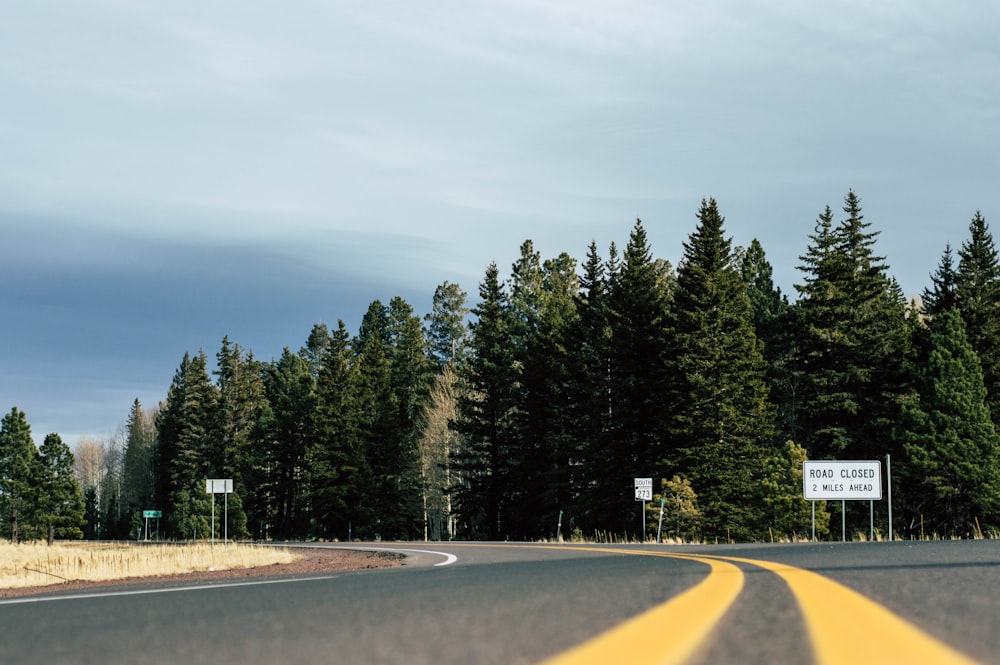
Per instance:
{"type": "Point", "coordinates": [529, 413]}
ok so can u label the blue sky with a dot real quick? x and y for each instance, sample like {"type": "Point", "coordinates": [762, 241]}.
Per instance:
{"type": "Point", "coordinates": [171, 173]}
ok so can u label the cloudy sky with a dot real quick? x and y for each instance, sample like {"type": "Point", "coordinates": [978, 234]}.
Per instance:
{"type": "Point", "coordinates": [173, 172]}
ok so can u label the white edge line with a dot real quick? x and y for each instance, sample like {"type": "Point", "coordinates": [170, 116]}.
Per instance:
{"type": "Point", "coordinates": [448, 558]}
{"type": "Point", "coordinates": [143, 592]}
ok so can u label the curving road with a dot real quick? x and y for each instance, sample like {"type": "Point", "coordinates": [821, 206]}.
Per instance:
{"type": "Point", "coordinates": [936, 602]}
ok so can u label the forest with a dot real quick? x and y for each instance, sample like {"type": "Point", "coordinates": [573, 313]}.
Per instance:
{"type": "Point", "coordinates": [526, 412]}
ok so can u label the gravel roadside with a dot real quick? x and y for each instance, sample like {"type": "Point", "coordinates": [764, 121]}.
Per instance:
{"type": "Point", "coordinates": [310, 560]}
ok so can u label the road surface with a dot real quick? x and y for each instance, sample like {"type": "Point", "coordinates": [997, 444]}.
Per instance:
{"type": "Point", "coordinates": [557, 604]}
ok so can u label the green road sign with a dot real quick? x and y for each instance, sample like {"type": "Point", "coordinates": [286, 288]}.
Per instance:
{"type": "Point", "coordinates": [152, 513]}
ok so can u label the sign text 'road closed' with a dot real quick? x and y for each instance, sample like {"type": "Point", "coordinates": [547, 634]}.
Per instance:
{"type": "Point", "coordinates": [842, 481]}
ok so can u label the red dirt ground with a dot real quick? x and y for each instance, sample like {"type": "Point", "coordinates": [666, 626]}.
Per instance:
{"type": "Point", "coordinates": [312, 560]}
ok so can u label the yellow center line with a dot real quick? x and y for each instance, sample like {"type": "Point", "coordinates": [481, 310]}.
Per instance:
{"type": "Point", "coordinates": [845, 627]}
{"type": "Point", "coordinates": [668, 633]}
{"type": "Point", "coordinates": [848, 628]}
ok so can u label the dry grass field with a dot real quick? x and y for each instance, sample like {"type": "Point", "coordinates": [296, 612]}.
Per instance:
{"type": "Point", "coordinates": [33, 565]}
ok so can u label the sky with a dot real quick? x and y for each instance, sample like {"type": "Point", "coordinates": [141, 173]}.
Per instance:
{"type": "Point", "coordinates": [175, 172]}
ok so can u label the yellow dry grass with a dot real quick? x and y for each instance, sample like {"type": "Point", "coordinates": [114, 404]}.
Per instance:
{"type": "Point", "coordinates": [31, 564]}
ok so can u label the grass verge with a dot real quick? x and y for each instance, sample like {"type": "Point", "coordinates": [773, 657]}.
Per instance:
{"type": "Point", "coordinates": [31, 564]}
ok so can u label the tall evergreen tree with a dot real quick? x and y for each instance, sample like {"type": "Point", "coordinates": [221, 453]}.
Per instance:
{"type": "Point", "coordinates": [18, 478]}
{"type": "Point", "coordinates": [772, 325]}
{"type": "Point", "coordinates": [941, 295]}
{"type": "Point", "coordinates": [393, 373]}
{"type": "Point", "coordinates": [338, 471]}
{"type": "Point", "coordinates": [486, 416]}
{"type": "Point", "coordinates": [767, 304]}
{"type": "Point", "coordinates": [526, 454]}
{"type": "Point", "coordinates": [634, 442]}
{"type": "Point", "coordinates": [447, 329]}
{"type": "Point", "coordinates": [290, 389]}
{"type": "Point", "coordinates": [410, 373]}
{"type": "Point", "coordinates": [139, 480]}
{"type": "Point", "coordinates": [241, 452]}
{"type": "Point", "coordinates": [185, 437]}
{"type": "Point", "coordinates": [60, 507]}
{"type": "Point", "coordinates": [543, 307]}
{"type": "Point", "coordinates": [589, 361]}
{"type": "Point", "coordinates": [977, 294]}
{"type": "Point", "coordinates": [722, 420]}
{"type": "Point", "coordinates": [316, 344]}
{"type": "Point", "coordinates": [851, 334]}
{"type": "Point", "coordinates": [952, 447]}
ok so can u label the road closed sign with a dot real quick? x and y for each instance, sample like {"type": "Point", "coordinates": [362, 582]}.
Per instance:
{"type": "Point", "coordinates": [842, 481]}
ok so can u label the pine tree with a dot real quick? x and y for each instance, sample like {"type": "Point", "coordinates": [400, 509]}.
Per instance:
{"type": "Point", "coordinates": [589, 359]}
{"type": "Point", "coordinates": [851, 337]}
{"type": "Point", "coordinates": [527, 452]}
{"type": "Point", "coordinates": [338, 471]}
{"type": "Point", "coordinates": [18, 478]}
{"type": "Point", "coordinates": [186, 435]}
{"type": "Point", "coordinates": [241, 451]}
{"type": "Point", "coordinates": [316, 344]}
{"type": "Point", "coordinates": [941, 295]}
{"type": "Point", "coordinates": [287, 425]}
{"type": "Point", "coordinates": [60, 505]}
{"type": "Point", "coordinates": [543, 305]}
{"type": "Point", "coordinates": [721, 417]}
{"type": "Point", "coordinates": [633, 443]}
{"type": "Point", "coordinates": [772, 316]}
{"type": "Point", "coordinates": [951, 443]}
{"type": "Point", "coordinates": [378, 407]}
{"type": "Point", "coordinates": [410, 373]}
{"type": "Point", "coordinates": [139, 480]}
{"type": "Point", "coordinates": [787, 513]}
{"type": "Point", "coordinates": [447, 330]}
{"type": "Point", "coordinates": [977, 295]}
{"type": "Point", "coordinates": [486, 416]}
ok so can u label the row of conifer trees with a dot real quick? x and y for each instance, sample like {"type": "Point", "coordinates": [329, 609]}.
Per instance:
{"type": "Point", "coordinates": [530, 414]}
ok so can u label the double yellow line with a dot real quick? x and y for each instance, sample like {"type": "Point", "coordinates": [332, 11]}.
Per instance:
{"type": "Point", "coordinates": [844, 626]}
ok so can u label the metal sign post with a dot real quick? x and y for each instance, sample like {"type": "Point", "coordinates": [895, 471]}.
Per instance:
{"type": "Point", "coordinates": [842, 481]}
{"type": "Point", "coordinates": [888, 483]}
{"type": "Point", "coordinates": [644, 493]}
{"type": "Point", "coordinates": [659, 527]}
{"type": "Point", "coordinates": [155, 514]}
{"type": "Point", "coordinates": [224, 486]}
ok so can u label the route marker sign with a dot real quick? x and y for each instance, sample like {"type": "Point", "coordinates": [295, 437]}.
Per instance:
{"type": "Point", "coordinates": [643, 489]}
{"type": "Point", "coordinates": [842, 481]}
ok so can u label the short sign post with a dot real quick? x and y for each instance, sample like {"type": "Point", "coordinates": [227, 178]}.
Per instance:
{"type": "Point", "coordinates": [644, 493]}
{"type": "Point", "coordinates": [659, 525]}
{"type": "Point", "coordinates": [154, 514]}
{"type": "Point", "coordinates": [224, 486]}
{"type": "Point", "coordinates": [842, 481]}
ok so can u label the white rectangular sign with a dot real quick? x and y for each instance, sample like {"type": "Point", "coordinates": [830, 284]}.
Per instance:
{"type": "Point", "coordinates": [219, 486]}
{"type": "Point", "coordinates": [842, 481]}
{"type": "Point", "coordinates": [643, 489]}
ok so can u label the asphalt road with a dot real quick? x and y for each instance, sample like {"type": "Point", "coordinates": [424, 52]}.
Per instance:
{"type": "Point", "coordinates": [565, 604]}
